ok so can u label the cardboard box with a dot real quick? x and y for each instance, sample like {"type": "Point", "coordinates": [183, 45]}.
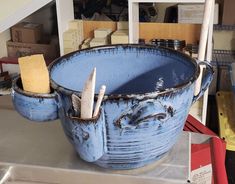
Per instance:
{"type": "Point", "coordinates": [102, 33]}
{"type": "Point", "coordinates": [224, 40]}
{"type": "Point", "coordinates": [120, 37]}
{"type": "Point", "coordinates": [71, 44]}
{"type": "Point", "coordinates": [17, 49]}
{"type": "Point", "coordinates": [77, 25]}
{"type": "Point", "coordinates": [228, 17]}
{"type": "Point", "coordinates": [71, 39]}
{"type": "Point", "coordinates": [86, 43]}
{"type": "Point", "coordinates": [98, 42]}
{"type": "Point", "coordinates": [193, 13]}
{"type": "Point", "coordinates": [122, 25]}
{"type": "Point", "coordinates": [71, 34]}
{"type": "Point", "coordinates": [68, 50]}
{"type": "Point", "coordinates": [27, 32]}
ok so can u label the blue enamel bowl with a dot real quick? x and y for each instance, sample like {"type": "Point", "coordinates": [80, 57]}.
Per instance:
{"type": "Point", "coordinates": [149, 93]}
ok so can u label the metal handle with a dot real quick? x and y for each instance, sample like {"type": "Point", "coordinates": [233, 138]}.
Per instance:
{"type": "Point", "coordinates": [143, 113]}
{"type": "Point", "coordinates": [206, 79]}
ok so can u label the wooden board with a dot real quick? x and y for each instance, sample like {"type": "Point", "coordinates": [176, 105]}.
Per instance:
{"type": "Point", "coordinates": [148, 31]}
{"type": "Point", "coordinates": [90, 26]}
{"type": "Point", "coordinates": [225, 107]}
{"type": "Point", "coordinates": [188, 32]}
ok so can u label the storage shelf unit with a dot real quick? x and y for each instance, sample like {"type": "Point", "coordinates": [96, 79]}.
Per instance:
{"type": "Point", "coordinates": [133, 7]}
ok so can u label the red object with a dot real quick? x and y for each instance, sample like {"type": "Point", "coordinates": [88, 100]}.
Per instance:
{"type": "Point", "coordinates": [201, 157]}
{"type": "Point", "coordinates": [212, 152]}
{"type": "Point", "coordinates": [193, 125]}
{"type": "Point", "coordinates": [218, 153]}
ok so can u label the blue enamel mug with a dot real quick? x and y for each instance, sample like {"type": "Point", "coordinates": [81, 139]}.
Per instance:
{"type": "Point", "coordinates": [149, 93]}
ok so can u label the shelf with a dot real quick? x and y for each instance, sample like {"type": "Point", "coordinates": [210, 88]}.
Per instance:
{"type": "Point", "coordinates": [134, 14]}
{"type": "Point", "coordinates": [224, 27]}
{"type": "Point", "coordinates": [224, 57]}
{"type": "Point", "coordinates": [196, 110]}
{"type": "Point", "coordinates": [11, 12]}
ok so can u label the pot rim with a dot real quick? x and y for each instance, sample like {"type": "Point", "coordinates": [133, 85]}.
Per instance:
{"type": "Point", "coordinates": [152, 94]}
{"type": "Point", "coordinates": [18, 89]}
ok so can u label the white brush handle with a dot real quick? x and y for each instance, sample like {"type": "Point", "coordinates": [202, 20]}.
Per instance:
{"type": "Point", "coordinates": [87, 99]}
{"type": "Point", "coordinates": [99, 100]}
{"type": "Point", "coordinates": [203, 40]}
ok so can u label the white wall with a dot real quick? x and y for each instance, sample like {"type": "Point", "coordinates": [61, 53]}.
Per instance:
{"type": "Point", "coordinates": [43, 16]}
{"type": "Point", "coordinates": [161, 8]}
{"type": "Point", "coordinates": [4, 36]}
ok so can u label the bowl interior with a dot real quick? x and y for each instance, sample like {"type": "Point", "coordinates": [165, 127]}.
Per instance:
{"type": "Point", "coordinates": [18, 86]}
{"type": "Point", "coordinates": [124, 70]}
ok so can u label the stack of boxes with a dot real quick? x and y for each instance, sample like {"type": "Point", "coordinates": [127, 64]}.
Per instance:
{"type": "Point", "coordinates": [121, 35]}
{"type": "Point", "coordinates": [27, 32]}
{"type": "Point", "coordinates": [101, 37]}
{"type": "Point", "coordinates": [86, 43]}
{"type": "Point", "coordinates": [28, 39]}
{"type": "Point", "coordinates": [73, 37]}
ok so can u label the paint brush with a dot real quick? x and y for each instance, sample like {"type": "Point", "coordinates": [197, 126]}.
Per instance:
{"type": "Point", "coordinates": [99, 100]}
{"type": "Point", "coordinates": [76, 101]}
{"type": "Point", "coordinates": [87, 99]}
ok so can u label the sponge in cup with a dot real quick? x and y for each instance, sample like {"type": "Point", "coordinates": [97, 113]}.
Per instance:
{"type": "Point", "coordinates": [34, 74]}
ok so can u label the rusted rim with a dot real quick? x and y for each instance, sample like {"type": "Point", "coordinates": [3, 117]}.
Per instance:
{"type": "Point", "coordinates": [18, 89]}
{"type": "Point", "coordinates": [134, 95]}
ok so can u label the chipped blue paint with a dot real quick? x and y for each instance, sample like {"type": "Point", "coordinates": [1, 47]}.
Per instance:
{"type": "Point", "coordinates": [89, 136]}
{"type": "Point", "coordinates": [149, 93]}
{"type": "Point", "coordinates": [134, 143]}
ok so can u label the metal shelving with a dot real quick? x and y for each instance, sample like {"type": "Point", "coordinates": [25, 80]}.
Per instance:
{"type": "Point", "coordinates": [223, 57]}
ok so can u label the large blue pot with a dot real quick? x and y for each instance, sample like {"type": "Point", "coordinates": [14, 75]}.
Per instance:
{"type": "Point", "coordinates": [149, 93]}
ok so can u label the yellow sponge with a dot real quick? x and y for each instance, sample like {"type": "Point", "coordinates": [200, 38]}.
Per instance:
{"type": "Point", "coordinates": [34, 74]}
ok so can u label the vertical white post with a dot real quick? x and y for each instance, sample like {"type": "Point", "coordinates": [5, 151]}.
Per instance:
{"type": "Point", "coordinates": [133, 8]}
{"type": "Point", "coordinates": [203, 41]}
{"type": "Point", "coordinates": [208, 58]}
{"type": "Point", "coordinates": [65, 13]}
